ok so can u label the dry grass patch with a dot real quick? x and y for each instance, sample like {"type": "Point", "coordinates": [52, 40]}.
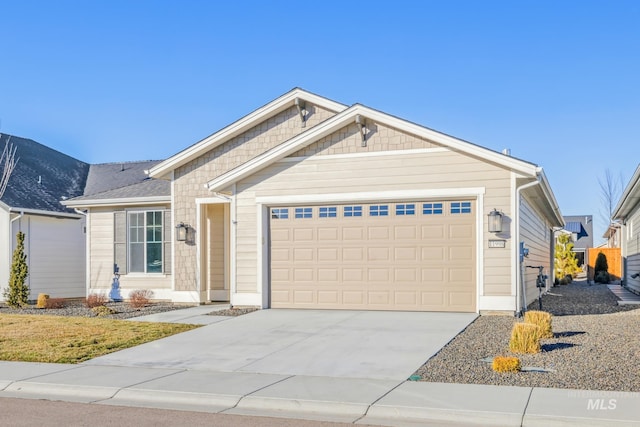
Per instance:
{"type": "Point", "coordinates": [525, 338]}
{"type": "Point", "coordinates": [56, 339]}
{"type": "Point", "coordinates": [542, 319]}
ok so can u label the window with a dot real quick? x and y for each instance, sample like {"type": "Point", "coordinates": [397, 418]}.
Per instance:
{"type": "Point", "coordinates": [279, 213]}
{"type": "Point", "coordinates": [328, 212]}
{"type": "Point", "coordinates": [350, 211]}
{"type": "Point", "coordinates": [406, 209]}
{"type": "Point", "coordinates": [432, 208]}
{"type": "Point", "coordinates": [145, 242]}
{"type": "Point", "coordinates": [460, 207]}
{"type": "Point", "coordinates": [304, 213]}
{"type": "Point", "coordinates": [379, 210]}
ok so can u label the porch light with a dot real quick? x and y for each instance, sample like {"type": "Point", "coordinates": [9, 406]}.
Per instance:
{"type": "Point", "coordinates": [495, 221]}
{"type": "Point", "coordinates": [181, 232]}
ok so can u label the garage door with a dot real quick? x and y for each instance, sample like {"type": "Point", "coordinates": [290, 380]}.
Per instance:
{"type": "Point", "coordinates": [385, 256]}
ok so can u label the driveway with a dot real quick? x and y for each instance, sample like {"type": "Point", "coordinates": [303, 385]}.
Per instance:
{"type": "Point", "coordinates": [329, 343]}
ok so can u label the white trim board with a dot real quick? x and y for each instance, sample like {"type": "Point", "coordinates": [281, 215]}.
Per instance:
{"type": "Point", "coordinates": [371, 196]}
{"type": "Point", "coordinates": [371, 154]}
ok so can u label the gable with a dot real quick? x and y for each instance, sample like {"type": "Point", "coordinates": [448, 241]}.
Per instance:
{"type": "Point", "coordinates": [301, 101]}
{"type": "Point", "coordinates": [348, 140]}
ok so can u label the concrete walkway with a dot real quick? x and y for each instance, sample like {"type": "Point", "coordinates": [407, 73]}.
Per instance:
{"type": "Point", "coordinates": [367, 400]}
{"type": "Point", "coordinates": [625, 296]}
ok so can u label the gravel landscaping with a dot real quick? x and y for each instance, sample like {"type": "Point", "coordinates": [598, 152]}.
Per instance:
{"type": "Point", "coordinates": [596, 346]}
{"type": "Point", "coordinates": [76, 308]}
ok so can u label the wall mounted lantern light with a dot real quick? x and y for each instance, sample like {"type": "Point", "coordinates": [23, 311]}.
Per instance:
{"type": "Point", "coordinates": [495, 221]}
{"type": "Point", "coordinates": [181, 232]}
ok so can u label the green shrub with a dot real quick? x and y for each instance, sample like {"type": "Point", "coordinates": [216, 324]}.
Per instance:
{"type": "Point", "coordinates": [602, 277]}
{"type": "Point", "coordinates": [601, 264]}
{"type": "Point", "coordinates": [525, 338]}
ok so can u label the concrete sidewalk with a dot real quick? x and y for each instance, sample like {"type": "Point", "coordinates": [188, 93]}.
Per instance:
{"type": "Point", "coordinates": [359, 401]}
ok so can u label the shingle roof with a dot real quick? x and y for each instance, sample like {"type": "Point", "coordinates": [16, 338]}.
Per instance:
{"type": "Point", "coordinates": [146, 188]}
{"type": "Point", "coordinates": [109, 176]}
{"type": "Point", "coordinates": [42, 176]}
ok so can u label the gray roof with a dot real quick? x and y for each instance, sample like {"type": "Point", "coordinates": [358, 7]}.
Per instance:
{"type": "Point", "coordinates": [42, 176]}
{"type": "Point", "coordinates": [145, 188]}
{"type": "Point", "coordinates": [109, 176]}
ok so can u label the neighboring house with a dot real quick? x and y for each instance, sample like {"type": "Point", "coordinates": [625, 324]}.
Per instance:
{"type": "Point", "coordinates": [54, 235]}
{"type": "Point", "coordinates": [581, 229]}
{"type": "Point", "coordinates": [309, 203]}
{"type": "Point", "coordinates": [627, 215]}
{"type": "Point", "coordinates": [612, 235]}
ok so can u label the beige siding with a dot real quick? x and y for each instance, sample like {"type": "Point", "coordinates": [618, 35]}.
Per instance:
{"type": "Point", "coordinates": [190, 179]}
{"type": "Point", "coordinates": [349, 141]}
{"type": "Point", "coordinates": [535, 233]}
{"type": "Point", "coordinates": [632, 250]}
{"type": "Point", "coordinates": [412, 171]}
{"type": "Point", "coordinates": [215, 257]}
{"type": "Point", "coordinates": [101, 256]}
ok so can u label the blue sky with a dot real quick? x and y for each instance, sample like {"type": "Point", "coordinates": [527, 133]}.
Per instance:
{"type": "Point", "coordinates": [557, 82]}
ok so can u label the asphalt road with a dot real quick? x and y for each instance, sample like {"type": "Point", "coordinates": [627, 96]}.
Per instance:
{"type": "Point", "coordinates": [46, 413]}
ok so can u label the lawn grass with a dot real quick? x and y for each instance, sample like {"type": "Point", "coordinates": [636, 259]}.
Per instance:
{"type": "Point", "coordinates": [59, 339]}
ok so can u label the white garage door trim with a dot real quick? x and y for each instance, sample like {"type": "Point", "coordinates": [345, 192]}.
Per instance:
{"type": "Point", "coordinates": [264, 202]}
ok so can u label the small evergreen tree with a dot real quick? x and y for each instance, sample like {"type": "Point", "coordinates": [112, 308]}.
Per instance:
{"type": "Point", "coordinates": [601, 269]}
{"type": "Point", "coordinates": [17, 294]}
{"type": "Point", "coordinates": [566, 263]}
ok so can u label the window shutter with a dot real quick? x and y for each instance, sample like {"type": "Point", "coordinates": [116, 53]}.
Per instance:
{"type": "Point", "coordinates": [120, 241]}
{"type": "Point", "coordinates": [167, 235]}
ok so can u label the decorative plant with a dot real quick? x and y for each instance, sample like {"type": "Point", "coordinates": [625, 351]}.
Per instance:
{"type": "Point", "coordinates": [601, 270]}
{"type": "Point", "coordinates": [525, 338]}
{"type": "Point", "coordinates": [506, 364]}
{"type": "Point", "coordinates": [17, 294]}
{"type": "Point", "coordinates": [542, 319]}
{"type": "Point", "coordinates": [42, 301]}
{"type": "Point", "coordinates": [96, 300]}
{"type": "Point", "coordinates": [566, 263]}
{"type": "Point", "coordinates": [140, 298]}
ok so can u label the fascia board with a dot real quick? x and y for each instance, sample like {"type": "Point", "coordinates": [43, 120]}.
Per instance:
{"type": "Point", "coordinates": [456, 144]}
{"type": "Point", "coordinates": [341, 119]}
{"type": "Point", "coordinates": [5, 206]}
{"type": "Point", "coordinates": [548, 193]}
{"type": "Point", "coordinates": [40, 212]}
{"type": "Point", "coordinates": [240, 126]}
{"type": "Point", "coordinates": [156, 200]}
{"type": "Point", "coordinates": [629, 197]}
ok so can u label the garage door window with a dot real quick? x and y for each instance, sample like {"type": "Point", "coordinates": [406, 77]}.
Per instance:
{"type": "Point", "coordinates": [460, 207]}
{"type": "Point", "coordinates": [379, 210]}
{"type": "Point", "coordinates": [280, 213]}
{"type": "Point", "coordinates": [408, 209]}
{"type": "Point", "coordinates": [328, 212]}
{"type": "Point", "coordinates": [304, 213]}
{"type": "Point", "coordinates": [432, 208]}
{"type": "Point", "coordinates": [350, 211]}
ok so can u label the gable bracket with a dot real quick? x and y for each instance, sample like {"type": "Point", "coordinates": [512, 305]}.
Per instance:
{"type": "Point", "coordinates": [302, 111]}
{"type": "Point", "coordinates": [362, 127]}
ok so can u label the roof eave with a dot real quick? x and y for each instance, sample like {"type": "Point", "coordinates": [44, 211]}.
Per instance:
{"type": "Point", "coordinates": [629, 199]}
{"type": "Point", "coordinates": [276, 106]}
{"type": "Point", "coordinates": [341, 119]}
{"type": "Point", "coordinates": [123, 201]}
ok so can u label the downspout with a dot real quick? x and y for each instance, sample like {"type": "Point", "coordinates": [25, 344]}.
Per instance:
{"type": "Point", "coordinates": [521, 293]}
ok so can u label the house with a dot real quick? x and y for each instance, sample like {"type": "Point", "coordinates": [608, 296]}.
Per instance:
{"type": "Point", "coordinates": [627, 215]}
{"type": "Point", "coordinates": [612, 235]}
{"type": "Point", "coordinates": [581, 229]}
{"type": "Point", "coordinates": [54, 235]}
{"type": "Point", "coordinates": [309, 203]}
